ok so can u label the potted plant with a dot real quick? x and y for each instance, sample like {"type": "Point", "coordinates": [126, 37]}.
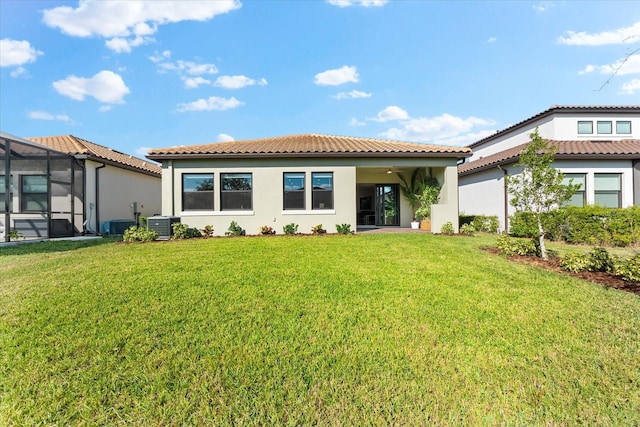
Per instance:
{"type": "Point", "coordinates": [411, 189]}
{"type": "Point", "coordinates": [429, 196]}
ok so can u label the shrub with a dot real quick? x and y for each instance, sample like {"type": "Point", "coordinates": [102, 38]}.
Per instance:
{"type": "Point", "coordinates": [14, 235]}
{"type": "Point", "coordinates": [183, 231]}
{"type": "Point", "coordinates": [290, 228]}
{"type": "Point", "coordinates": [344, 228]}
{"type": "Point", "coordinates": [575, 263]}
{"type": "Point", "coordinates": [447, 228]}
{"type": "Point", "coordinates": [207, 231]}
{"type": "Point", "coordinates": [317, 229]}
{"type": "Point", "coordinates": [266, 230]}
{"type": "Point", "coordinates": [135, 234]}
{"type": "Point", "coordinates": [234, 230]}
{"type": "Point", "coordinates": [467, 229]}
{"type": "Point", "coordinates": [599, 260]}
{"type": "Point", "coordinates": [629, 270]}
{"type": "Point", "coordinates": [485, 223]}
{"type": "Point", "coordinates": [511, 246]}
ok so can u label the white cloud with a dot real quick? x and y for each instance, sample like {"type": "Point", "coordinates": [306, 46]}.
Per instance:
{"type": "Point", "coordinates": [444, 129]}
{"type": "Point", "coordinates": [542, 6]}
{"type": "Point", "coordinates": [356, 122]}
{"type": "Point", "coordinates": [43, 115]}
{"type": "Point", "coordinates": [17, 72]}
{"type": "Point", "coordinates": [337, 77]}
{"type": "Point", "coordinates": [194, 82]}
{"type": "Point", "coordinates": [629, 65]}
{"type": "Point", "coordinates": [629, 34]}
{"type": "Point", "coordinates": [209, 104]}
{"type": "Point", "coordinates": [631, 87]}
{"type": "Point", "coordinates": [392, 112]}
{"type": "Point", "coordinates": [105, 86]}
{"type": "Point", "coordinates": [354, 94]}
{"type": "Point", "coordinates": [142, 151]}
{"type": "Point", "coordinates": [492, 40]}
{"type": "Point", "coordinates": [188, 67]}
{"type": "Point", "coordinates": [127, 24]}
{"type": "Point", "coordinates": [17, 52]}
{"type": "Point", "coordinates": [364, 3]}
{"type": "Point", "coordinates": [159, 57]}
{"type": "Point", "coordinates": [223, 137]}
{"type": "Point", "coordinates": [104, 108]}
{"type": "Point", "coordinates": [237, 82]}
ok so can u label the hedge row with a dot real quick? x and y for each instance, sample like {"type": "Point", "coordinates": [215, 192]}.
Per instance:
{"type": "Point", "coordinates": [592, 225]}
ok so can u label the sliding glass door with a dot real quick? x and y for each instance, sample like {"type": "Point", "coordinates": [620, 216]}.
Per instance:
{"type": "Point", "coordinates": [387, 204]}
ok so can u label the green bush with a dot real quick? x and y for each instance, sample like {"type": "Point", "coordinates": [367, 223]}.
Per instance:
{"type": "Point", "coordinates": [183, 231]}
{"type": "Point", "coordinates": [629, 269]}
{"type": "Point", "coordinates": [512, 246]}
{"type": "Point", "coordinates": [290, 228]}
{"type": "Point", "coordinates": [575, 263]}
{"type": "Point", "coordinates": [481, 223]}
{"type": "Point", "coordinates": [135, 234]}
{"type": "Point", "coordinates": [599, 260]}
{"type": "Point", "coordinates": [267, 230]}
{"type": "Point", "coordinates": [447, 228]}
{"type": "Point", "coordinates": [467, 229]}
{"type": "Point", "coordinates": [317, 229]}
{"type": "Point", "coordinates": [344, 228]}
{"type": "Point", "coordinates": [234, 230]}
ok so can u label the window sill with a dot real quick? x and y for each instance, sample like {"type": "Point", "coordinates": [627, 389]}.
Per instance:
{"type": "Point", "coordinates": [310, 212]}
{"type": "Point", "coordinates": [217, 213]}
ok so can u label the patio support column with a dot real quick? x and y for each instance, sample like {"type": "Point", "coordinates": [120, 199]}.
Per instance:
{"type": "Point", "coordinates": [7, 189]}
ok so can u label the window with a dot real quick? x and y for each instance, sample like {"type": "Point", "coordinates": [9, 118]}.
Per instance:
{"type": "Point", "coordinates": [579, 197]}
{"type": "Point", "coordinates": [322, 193]}
{"type": "Point", "coordinates": [623, 127]}
{"type": "Point", "coordinates": [604, 127]}
{"type": "Point", "coordinates": [2, 193]}
{"type": "Point", "coordinates": [607, 188]}
{"type": "Point", "coordinates": [235, 191]}
{"type": "Point", "coordinates": [197, 191]}
{"type": "Point", "coordinates": [585, 127]}
{"type": "Point", "coordinates": [34, 195]}
{"type": "Point", "coordinates": [294, 190]}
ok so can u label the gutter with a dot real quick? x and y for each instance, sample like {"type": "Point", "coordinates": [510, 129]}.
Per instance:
{"type": "Point", "coordinates": [177, 156]}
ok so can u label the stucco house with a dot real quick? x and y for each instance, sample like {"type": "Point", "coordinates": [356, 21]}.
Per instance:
{"type": "Point", "coordinates": [117, 186]}
{"type": "Point", "coordinates": [304, 179]}
{"type": "Point", "coordinates": [62, 186]}
{"type": "Point", "coordinates": [598, 147]}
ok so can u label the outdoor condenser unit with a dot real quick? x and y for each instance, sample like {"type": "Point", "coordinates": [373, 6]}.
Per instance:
{"type": "Point", "coordinates": [162, 225]}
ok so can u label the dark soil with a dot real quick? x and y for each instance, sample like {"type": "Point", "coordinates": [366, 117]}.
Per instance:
{"type": "Point", "coordinates": [553, 264]}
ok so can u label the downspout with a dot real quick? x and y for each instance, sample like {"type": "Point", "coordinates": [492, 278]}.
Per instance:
{"type": "Point", "coordinates": [98, 197]}
{"type": "Point", "coordinates": [173, 199]}
{"type": "Point", "coordinates": [506, 199]}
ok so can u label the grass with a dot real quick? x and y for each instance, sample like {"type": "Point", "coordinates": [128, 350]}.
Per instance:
{"type": "Point", "coordinates": [343, 330]}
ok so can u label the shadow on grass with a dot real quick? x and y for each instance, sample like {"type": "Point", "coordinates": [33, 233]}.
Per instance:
{"type": "Point", "coordinates": [27, 248]}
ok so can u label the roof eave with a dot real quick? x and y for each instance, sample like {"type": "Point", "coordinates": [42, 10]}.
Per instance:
{"type": "Point", "coordinates": [178, 156]}
{"type": "Point", "coordinates": [118, 165]}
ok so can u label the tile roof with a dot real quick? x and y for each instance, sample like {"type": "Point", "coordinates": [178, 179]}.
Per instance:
{"type": "Point", "coordinates": [80, 147]}
{"type": "Point", "coordinates": [311, 145]}
{"type": "Point", "coordinates": [623, 149]}
{"type": "Point", "coordinates": [563, 109]}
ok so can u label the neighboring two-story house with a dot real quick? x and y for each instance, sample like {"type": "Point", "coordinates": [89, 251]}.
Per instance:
{"type": "Point", "coordinates": [598, 147]}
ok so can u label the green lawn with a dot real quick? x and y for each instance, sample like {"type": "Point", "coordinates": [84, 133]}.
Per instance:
{"type": "Point", "coordinates": [393, 329]}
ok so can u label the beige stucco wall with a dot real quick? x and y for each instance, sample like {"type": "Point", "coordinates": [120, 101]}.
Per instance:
{"type": "Point", "coordinates": [119, 188]}
{"type": "Point", "coordinates": [268, 191]}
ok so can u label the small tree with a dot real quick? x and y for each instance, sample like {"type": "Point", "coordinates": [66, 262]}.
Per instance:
{"type": "Point", "coordinates": [412, 187]}
{"type": "Point", "coordinates": [538, 189]}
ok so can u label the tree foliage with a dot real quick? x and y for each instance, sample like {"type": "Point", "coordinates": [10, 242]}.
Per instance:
{"type": "Point", "coordinates": [538, 189]}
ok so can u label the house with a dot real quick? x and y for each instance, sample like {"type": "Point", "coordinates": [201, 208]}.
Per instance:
{"type": "Point", "coordinates": [598, 147]}
{"type": "Point", "coordinates": [118, 187]}
{"type": "Point", "coordinates": [63, 186]}
{"type": "Point", "coordinates": [305, 179]}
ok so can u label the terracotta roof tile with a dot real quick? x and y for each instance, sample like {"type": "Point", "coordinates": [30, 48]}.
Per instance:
{"type": "Point", "coordinates": [622, 149]}
{"type": "Point", "coordinates": [308, 144]}
{"type": "Point", "coordinates": [77, 146]}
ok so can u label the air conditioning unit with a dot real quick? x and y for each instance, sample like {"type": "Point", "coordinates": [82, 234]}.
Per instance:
{"type": "Point", "coordinates": [162, 225]}
{"type": "Point", "coordinates": [117, 227]}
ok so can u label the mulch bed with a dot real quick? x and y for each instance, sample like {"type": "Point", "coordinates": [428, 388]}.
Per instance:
{"type": "Point", "coordinates": [553, 264]}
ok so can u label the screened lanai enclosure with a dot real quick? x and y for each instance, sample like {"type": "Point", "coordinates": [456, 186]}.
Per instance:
{"type": "Point", "coordinates": [41, 191]}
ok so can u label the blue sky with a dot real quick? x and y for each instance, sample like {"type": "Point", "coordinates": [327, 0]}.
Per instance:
{"type": "Point", "coordinates": [133, 75]}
